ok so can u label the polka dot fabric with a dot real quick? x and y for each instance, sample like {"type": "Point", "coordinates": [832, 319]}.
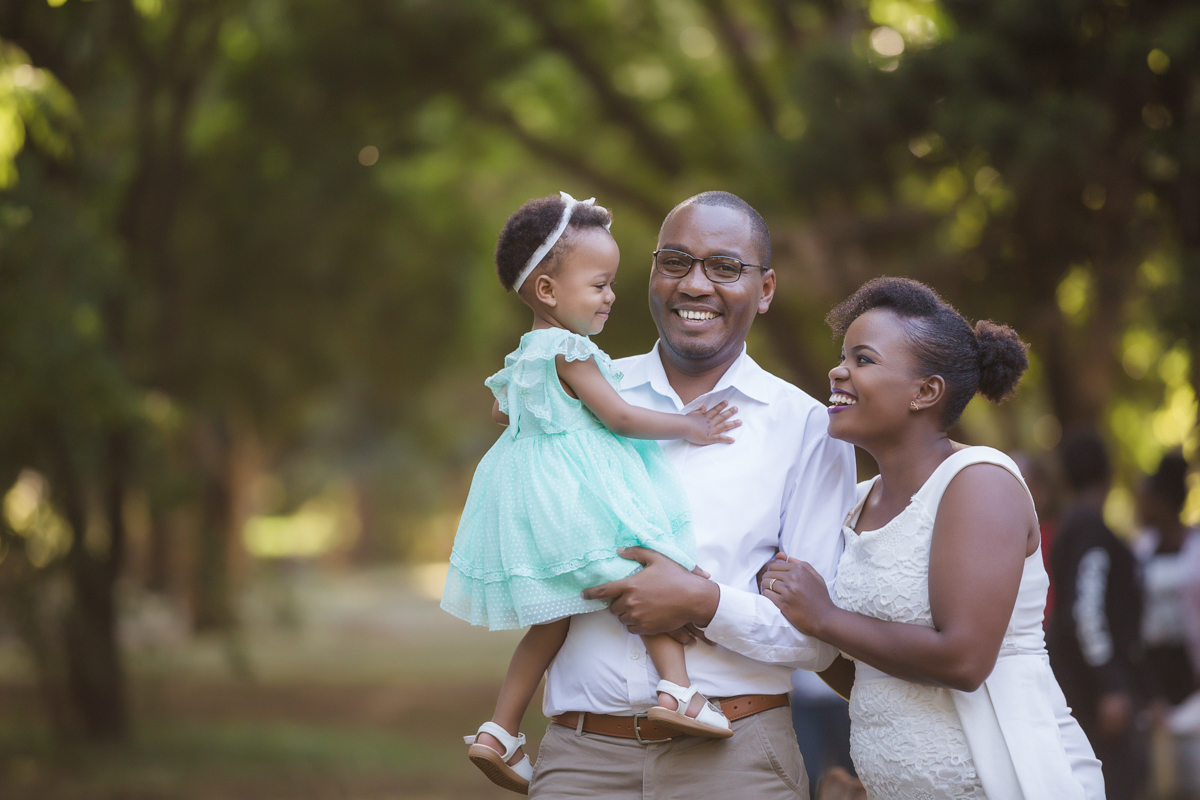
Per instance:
{"type": "Point", "coordinates": [555, 497]}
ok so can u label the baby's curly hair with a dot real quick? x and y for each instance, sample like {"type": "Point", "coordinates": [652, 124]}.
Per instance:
{"type": "Point", "coordinates": [989, 359]}
{"type": "Point", "coordinates": [528, 227]}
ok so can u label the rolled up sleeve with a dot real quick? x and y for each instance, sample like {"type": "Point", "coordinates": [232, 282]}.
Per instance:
{"type": "Point", "coordinates": [821, 491]}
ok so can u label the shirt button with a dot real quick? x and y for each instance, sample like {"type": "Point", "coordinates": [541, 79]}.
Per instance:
{"type": "Point", "coordinates": [771, 653]}
{"type": "Point", "coordinates": [635, 655]}
{"type": "Point", "coordinates": [720, 638]}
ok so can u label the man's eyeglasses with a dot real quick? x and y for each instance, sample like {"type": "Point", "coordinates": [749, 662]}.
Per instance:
{"type": "Point", "coordinates": [718, 269]}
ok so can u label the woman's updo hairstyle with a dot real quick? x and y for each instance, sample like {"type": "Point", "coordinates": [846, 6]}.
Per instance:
{"type": "Point", "coordinates": [528, 227]}
{"type": "Point", "coordinates": [989, 359]}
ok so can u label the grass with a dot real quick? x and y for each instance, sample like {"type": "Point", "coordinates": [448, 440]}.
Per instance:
{"type": "Point", "coordinates": [366, 699]}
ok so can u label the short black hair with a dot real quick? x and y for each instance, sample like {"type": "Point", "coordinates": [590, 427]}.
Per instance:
{"type": "Point", "coordinates": [989, 359]}
{"type": "Point", "coordinates": [528, 226]}
{"type": "Point", "coordinates": [1170, 481]}
{"type": "Point", "coordinates": [759, 234]}
{"type": "Point", "coordinates": [1084, 460]}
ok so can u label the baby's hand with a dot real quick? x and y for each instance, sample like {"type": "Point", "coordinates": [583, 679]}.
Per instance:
{"type": "Point", "coordinates": [709, 426]}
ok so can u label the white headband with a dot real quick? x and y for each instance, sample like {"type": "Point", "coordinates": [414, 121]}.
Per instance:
{"type": "Point", "coordinates": [545, 247]}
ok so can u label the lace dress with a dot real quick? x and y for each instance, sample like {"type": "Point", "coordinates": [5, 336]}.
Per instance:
{"type": "Point", "coordinates": [555, 496]}
{"type": "Point", "coordinates": [1014, 737]}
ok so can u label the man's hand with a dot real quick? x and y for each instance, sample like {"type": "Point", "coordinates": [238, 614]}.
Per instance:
{"type": "Point", "coordinates": [689, 634]}
{"type": "Point", "coordinates": [663, 597]}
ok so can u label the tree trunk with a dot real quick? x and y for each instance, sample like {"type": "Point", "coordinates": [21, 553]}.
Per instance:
{"type": "Point", "coordinates": [212, 603]}
{"type": "Point", "coordinates": [95, 678]}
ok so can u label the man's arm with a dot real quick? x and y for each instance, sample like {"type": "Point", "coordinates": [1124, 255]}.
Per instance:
{"type": "Point", "coordinates": [1094, 634]}
{"type": "Point", "coordinates": [661, 597]}
{"type": "Point", "coordinates": [664, 596]}
{"type": "Point", "coordinates": [811, 522]}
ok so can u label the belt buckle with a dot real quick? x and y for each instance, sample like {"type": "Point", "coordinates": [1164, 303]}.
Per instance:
{"type": "Point", "coordinates": [637, 732]}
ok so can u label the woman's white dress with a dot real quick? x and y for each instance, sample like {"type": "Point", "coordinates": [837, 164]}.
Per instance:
{"type": "Point", "coordinates": [1013, 738]}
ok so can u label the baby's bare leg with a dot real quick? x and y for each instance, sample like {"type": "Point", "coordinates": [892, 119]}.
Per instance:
{"type": "Point", "coordinates": [529, 662]}
{"type": "Point", "coordinates": [668, 658]}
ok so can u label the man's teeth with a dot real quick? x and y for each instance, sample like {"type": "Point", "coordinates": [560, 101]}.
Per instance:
{"type": "Point", "coordinates": [700, 315]}
{"type": "Point", "coordinates": [838, 399]}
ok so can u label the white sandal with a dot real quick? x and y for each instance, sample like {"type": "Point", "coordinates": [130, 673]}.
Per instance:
{"type": "Point", "coordinates": [495, 766]}
{"type": "Point", "coordinates": [710, 722]}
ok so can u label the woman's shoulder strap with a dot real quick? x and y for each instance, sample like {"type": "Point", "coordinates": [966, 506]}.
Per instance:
{"type": "Point", "coordinates": [931, 493]}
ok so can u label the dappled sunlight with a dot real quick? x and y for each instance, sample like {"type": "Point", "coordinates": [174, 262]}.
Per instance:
{"type": "Point", "coordinates": [28, 511]}
{"type": "Point", "coordinates": [314, 530]}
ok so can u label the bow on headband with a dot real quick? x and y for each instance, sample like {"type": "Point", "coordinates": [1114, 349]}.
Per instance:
{"type": "Point", "coordinates": [569, 204]}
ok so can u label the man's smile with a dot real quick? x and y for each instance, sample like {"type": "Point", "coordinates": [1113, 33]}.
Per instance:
{"type": "Point", "coordinates": [696, 315]}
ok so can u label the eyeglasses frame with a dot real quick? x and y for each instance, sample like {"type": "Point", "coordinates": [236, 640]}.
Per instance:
{"type": "Point", "coordinates": [703, 265]}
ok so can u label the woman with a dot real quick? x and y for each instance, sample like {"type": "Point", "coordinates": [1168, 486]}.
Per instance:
{"type": "Point", "coordinates": [941, 588]}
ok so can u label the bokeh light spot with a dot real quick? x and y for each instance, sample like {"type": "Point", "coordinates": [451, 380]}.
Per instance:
{"type": "Point", "coordinates": [368, 155]}
{"type": "Point", "coordinates": [1047, 431]}
{"type": "Point", "coordinates": [1156, 117]}
{"type": "Point", "coordinates": [1158, 61]}
{"type": "Point", "coordinates": [1074, 293]}
{"type": "Point", "coordinates": [887, 42]}
{"type": "Point", "coordinates": [697, 42]}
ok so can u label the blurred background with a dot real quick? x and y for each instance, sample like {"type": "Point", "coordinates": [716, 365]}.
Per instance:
{"type": "Point", "coordinates": [247, 305]}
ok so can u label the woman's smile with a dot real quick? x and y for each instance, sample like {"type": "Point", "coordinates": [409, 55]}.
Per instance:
{"type": "Point", "coordinates": [840, 401]}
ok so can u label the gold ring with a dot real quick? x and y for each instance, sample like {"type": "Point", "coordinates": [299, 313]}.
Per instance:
{"type": "Point", "coordinates": [771, 585]}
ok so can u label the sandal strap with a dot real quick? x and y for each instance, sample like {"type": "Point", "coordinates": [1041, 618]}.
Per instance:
{"type": "Point", "coordinates": [683, 695]}
{"type": "Point", "coordinates": [510, 742]}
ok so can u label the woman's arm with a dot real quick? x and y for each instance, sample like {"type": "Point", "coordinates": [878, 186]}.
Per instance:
{"type": "Point", "coordinates": [498, 416]}
{"type": "Point", "coordinates": [839, 676]}
{"type": "Point", "coordinates": [707, 426]}
{"type": "Point", "coordinates": [984, 531]}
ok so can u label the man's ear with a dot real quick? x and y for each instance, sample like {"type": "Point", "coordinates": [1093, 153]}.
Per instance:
{"type": "Point", "coordinates": [543, 290]}
{"type": "Point", "coordinates": [768, 291]}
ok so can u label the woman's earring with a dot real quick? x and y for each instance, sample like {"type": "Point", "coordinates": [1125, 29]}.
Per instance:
{"type": "Point", "coordinates": [913, 405]}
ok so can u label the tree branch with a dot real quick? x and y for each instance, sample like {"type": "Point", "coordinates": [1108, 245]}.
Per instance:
{"type": "Point", "coordinates": [734, 39]}
{"type": "Point", "coordinates": [646, 204]}
{"type": "Point", "coordinates": [657, 148]}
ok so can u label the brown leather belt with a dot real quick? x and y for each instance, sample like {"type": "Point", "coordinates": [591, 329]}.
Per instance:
{"type": "Point", "coordinates": [648, 732]}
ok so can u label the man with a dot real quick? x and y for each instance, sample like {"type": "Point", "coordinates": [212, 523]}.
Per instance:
{"type": "Point", "coordinates": [1094, 633]}
{"type": "Point", "coordinates": [782, 486]}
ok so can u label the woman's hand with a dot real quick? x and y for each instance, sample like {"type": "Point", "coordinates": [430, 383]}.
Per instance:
{"type": "Point", "coordinates": [800, 593]}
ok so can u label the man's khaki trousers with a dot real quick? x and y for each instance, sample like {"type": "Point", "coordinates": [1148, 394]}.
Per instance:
{"type": "Point", "coordinates": [760, 761]}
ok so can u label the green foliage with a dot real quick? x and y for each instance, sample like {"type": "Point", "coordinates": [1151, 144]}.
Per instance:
{"type": "Point", "coordinates": [269, 243]}
{"type": "Point", "coordinates": [33, 101]}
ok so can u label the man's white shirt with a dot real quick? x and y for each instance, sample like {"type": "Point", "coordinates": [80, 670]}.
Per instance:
{"type": "Point", "coordinates": [783, 485]}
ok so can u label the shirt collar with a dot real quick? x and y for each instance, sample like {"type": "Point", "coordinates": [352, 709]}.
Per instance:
{"type": "Point", "coordinates": [744, 376]}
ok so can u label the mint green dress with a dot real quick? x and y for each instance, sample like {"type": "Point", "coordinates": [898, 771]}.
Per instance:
{"type": "Point", "coordinates": [555, 497]}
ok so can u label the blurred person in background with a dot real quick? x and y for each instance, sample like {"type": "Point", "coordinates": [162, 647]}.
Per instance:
{"type": "Point", "coordinates": [1043, 487]}
{"type": "Point", "coordinates": [821, 718]}
{"type": "Point", "coordinates": [1093, 637]}
{"type": "Point", "coordinates": [1168, 553]}
{"type": "Point", "coordinates": [1163, 549]}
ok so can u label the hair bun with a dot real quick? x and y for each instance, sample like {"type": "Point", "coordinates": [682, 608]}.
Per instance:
{"type": "Point", "coordinates": [1002, 359]}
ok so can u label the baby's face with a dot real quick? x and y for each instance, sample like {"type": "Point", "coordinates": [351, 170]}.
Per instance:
{"type": "Point", "coordinates": [583, 285]}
